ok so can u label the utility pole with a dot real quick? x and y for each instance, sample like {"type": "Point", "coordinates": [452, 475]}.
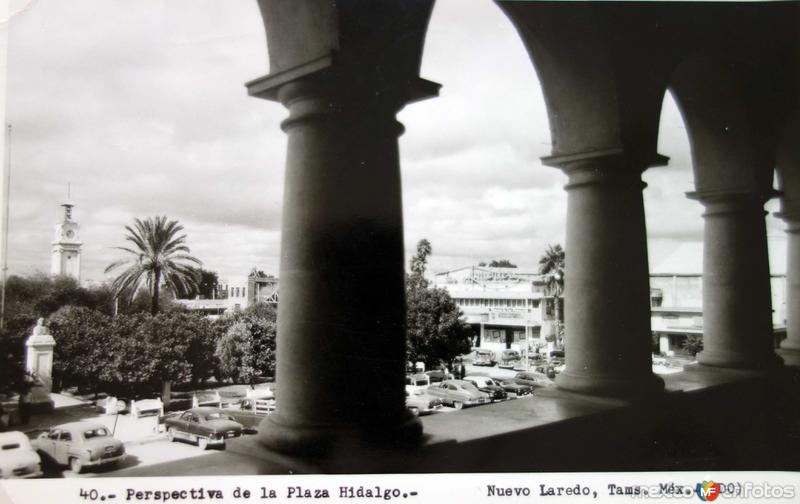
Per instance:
{"type": "Point", "coordinates": [6, 207]}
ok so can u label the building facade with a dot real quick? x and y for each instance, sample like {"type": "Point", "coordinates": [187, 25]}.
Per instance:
{"type": "Point", "coordinates": [236, 294]}
{"type": "Point", "coordinates": [507, 308]}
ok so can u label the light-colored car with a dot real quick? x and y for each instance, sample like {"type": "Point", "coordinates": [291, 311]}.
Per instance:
{"type": "Point", "coordinates": [421, 402]}
{"type": "Point", "coordinates": [535, 380]}
{"type": "Point", "coordinates": [483, 358]}
{"type": "Point", "coordinates": [458, 393]}
{"type": "Point", "coordinates": [18, 459]}
{"type": "Point", "coordinates": [80, 445]}
{"type": "Point", "coordinates": [205, 426]}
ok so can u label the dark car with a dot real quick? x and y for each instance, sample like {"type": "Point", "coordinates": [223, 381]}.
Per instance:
{"type": "Point", "coordinates": [489, 386]}
{"type": "Point", "coordinates": [518, 389]}
{"type": "Point", "coordinates": [205, 426]}
{"type": "Point", "coordinates": [437, 375]}
{"type": "Point", "coordinates": [509, 359]}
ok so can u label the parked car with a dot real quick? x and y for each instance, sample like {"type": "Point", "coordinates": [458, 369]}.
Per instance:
{"type": "Point", "coordinates": [251, 411]}
{"type": "Point", "coordinates": [437, 375]}
{"type": "Point", "coordinates": [509, 359]}
{"type": "Point", "coordinates": [535, 380]}
{"type": "Point", "coordinates": [204, 426]}
{"type": "Point", "coordinates": [18, 459]}
{"type": "Point", "coordinates": [80, 445]}
{"type": "Point", "coordinates": [546, 369]}
{"type": "Point", "coordinates": [483, 358]}
{"type": "Point", "coordinates": [489, 386]}
{"type": "Point", "coordinates": [459, 393]}
{"type": "Point", "coordinates": [416, 381]}
{"type": "Point", "coordinates": [422, 402]}
{"type": "Point", "coordinates": [519, 390]}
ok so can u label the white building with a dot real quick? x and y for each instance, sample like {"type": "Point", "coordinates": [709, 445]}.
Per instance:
{"type": "Point", "coordinates": [237, 294]}
{"type": "Point", "coordinates": [66, 252]}
{"type": "Point", "coordinates": [506, 307]}
{"type": "Point", "coordinates": [676, 296]}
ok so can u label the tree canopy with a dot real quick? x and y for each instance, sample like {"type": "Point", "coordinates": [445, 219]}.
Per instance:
{"type": "Point", "coordinates": [246, 349]}
{"type": "Point", "coordinates": [435, 333]}
{"type": "Point", "coordinates": [501, 263]}
{"type": "Point", "coordinates": [158, 254]}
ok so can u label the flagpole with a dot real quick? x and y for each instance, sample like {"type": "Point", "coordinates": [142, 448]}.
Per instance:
{"type": "Point", "coordinates": [6, 207]}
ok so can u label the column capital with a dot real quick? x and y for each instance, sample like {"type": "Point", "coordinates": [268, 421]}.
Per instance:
{"type": "Point", "coordinates": [613, 164]}
{"type": "Point", "coordinates": [791, 218]}
{"type": "Point", "coordinates": [327, 73]}
{"type": "Point", "coordinates": [718, 202]}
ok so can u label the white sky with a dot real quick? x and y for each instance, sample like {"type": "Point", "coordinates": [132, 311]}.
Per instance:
{"type": "Point", "coordinates": [142, 107]}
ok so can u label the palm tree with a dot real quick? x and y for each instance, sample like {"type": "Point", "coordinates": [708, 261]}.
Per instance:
{"type": "Point", "coordinates": [159, 256]}
{"type": "Point", "coordinates": [552, 264]}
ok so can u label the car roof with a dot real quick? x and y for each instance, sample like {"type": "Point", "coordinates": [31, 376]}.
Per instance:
{"type": "Point", "coordinates": [205, 410]}
{"type": "Point", "coordinates": [13, 436]}
{"type": "Point", "coordinates": [70, 426]}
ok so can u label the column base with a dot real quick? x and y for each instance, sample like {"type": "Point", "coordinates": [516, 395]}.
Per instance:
{"type": "Point", "coordinates": [628, 389]}
{"type": "Point", "coordinates": [790, 356]}
{"type": "Point", "coordinates": [738, 360]}
{"type": "Point", "coordinates": [330, 441]}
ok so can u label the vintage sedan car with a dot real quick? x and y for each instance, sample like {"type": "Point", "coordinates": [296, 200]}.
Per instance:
{"type": "Point", "coordinates": [485, 384]}
{"type": "Point", "coordinates": [459, 393]}
{"type": "Point", "coordinates": [535, 380]}
{"type": "Point", "coordinates": [437, 375]}
{"type": "Point", "coordinates": [250, 411]}
{"type": "Point", "coordinates": [80, 445]}
{"type": "Point", "coordinates": [18, 459]}
{"type": "Point", "coordinates": [509, 359]}
{"type": "Point", "coordinates": [204, 426]}
{"type": "Point", "coordinates": [421, 402]}
{"type": "Point", "coordinates": [483, 358]}
{"type": "Point", "coordinates": [519, 390]}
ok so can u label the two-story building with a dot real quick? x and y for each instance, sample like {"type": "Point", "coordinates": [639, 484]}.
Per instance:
{"type": "Point", "coordinates": [508, 308]}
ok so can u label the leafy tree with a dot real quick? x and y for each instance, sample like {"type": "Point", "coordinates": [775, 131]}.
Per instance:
{"type": "Point", "coordinates": [80, 334]}
{"type": "Point", "coordinates": [29, 298]}
{"type": "Point", "coordinates": [420, 260]}
{"type": "Point", "coordinates": [435, 333]}
{"type": "Point", "coordinates": [247, 348]}
{"type": "Point", "coordinates": [159, 254]}
{"type": "Point", "coordinates": [552, 264]}
{"type": "Point", "coordinates": [146, 352]}
{"type": "Point", "coordinates": [693, 344]}
{"type": "Point", "coordinates": [206, 287]}
{"type": "Point", "coordinates": [502, 263]}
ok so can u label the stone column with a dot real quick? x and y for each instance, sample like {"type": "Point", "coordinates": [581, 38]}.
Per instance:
{"type": "Point", "coordinates": [341, 355]}
{"type": "Point", "coordinates": [39, 362]}
{"type": "Point", "coordinates": [607, 287]}
{"type": "Point", "coordinates": [790, 347]}
{"type": "Point", "coordinates": [737, 306]}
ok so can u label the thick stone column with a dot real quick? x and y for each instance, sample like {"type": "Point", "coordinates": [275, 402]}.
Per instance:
{"type": "Point", "coordinates": [790, 347]}
{"type": "Point", "coordinates": [607, 289]}
{"type": "Point", "coordinates": [341, 318]}
{"type": "Point", "coordinates": [737, 307]}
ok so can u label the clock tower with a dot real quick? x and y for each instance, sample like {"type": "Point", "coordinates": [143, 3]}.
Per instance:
{"type": "Point", "coordinates": [66, 257]}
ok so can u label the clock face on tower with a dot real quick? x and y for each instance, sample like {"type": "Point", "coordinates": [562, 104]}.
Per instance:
{"type": "Point", "coordinates": [70, 233]}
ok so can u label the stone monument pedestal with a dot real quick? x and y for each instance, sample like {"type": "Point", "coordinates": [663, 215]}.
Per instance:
{"type": "Point", "coordinates": [39, 362]}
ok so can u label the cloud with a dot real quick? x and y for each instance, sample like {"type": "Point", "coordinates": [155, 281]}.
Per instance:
{"type": "Point", "coordinates": [142, 108]}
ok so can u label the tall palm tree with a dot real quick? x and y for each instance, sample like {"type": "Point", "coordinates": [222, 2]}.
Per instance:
{"type": "Point", "coordinates": [552, 264]}
{"type": "Point", "coordinates": [159, 255]}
